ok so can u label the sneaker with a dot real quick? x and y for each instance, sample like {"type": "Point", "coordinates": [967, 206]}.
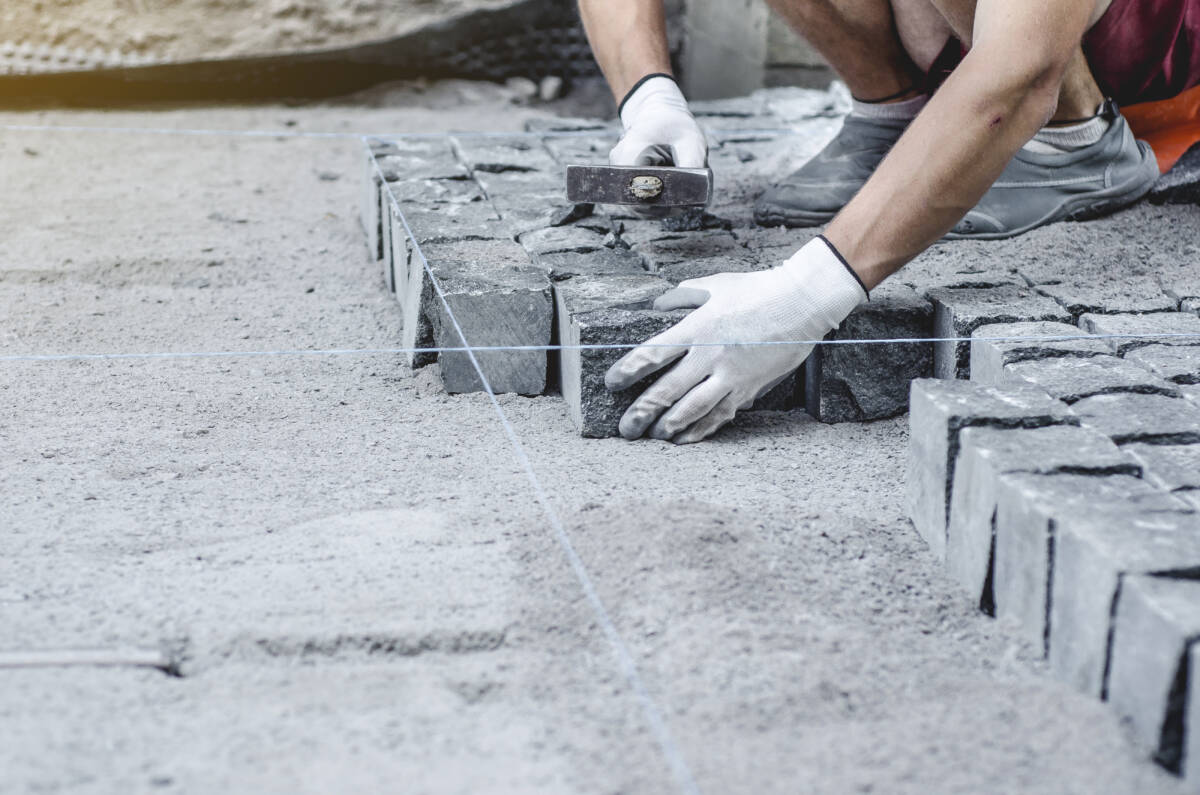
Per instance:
{"type": "Point", "coordinates": [815, 193]}
{"type": "Point", "coordinates": [1039, 189]}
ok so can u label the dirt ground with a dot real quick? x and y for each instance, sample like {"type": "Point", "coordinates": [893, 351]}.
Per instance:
{"type": "Point", "coordinates": [370, 596]}
{"type": "Point", "coordinates": [203, 29]}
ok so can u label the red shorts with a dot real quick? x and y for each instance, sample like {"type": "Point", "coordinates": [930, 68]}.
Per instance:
{"type": "Point", "coordinates": [1139, 51]}
{"type": "Point", "coordinates": [1145, 50]}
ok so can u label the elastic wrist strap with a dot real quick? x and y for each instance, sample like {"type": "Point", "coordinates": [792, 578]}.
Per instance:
{"type": "Point", "coordinates": [638, 85]}
{"type": "Point", "coordinates": [842, 260]}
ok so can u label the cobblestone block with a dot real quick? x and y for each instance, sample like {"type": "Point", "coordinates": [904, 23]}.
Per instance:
{"type": "Point", "coordinates": [560, 240]}
{"type": "Point", "coordinates": [853, 383]}
{"type": "Point", "coordinates": [604, 262]}
{"type": "Point", "coordinates": [396, 264]}
{"type": "Point", "coordinates": [437, 191]}
{"type": "Point", "coordinates": [512, 183]}
{"type": "Point", "coordinates": [1147, 325]}
{"type": "Point", "coordinates": [506, 305]}
{"type": "Point", "coordinates": [958, 312]}
{"type": "Point", "coordinates": [1157, 624]}
{"type": "Point", "coordinates": [1190, 305]}
{"type": "Point", "coordinates": [707, 266]}
{"type": "Point", "coordinates": [1108, 297]}
{"type": "Point", "coordinates": [1180, 185]}
{"type": "Point", "coordinates": [1179, 364]}
{"type": "Point", "coordinates": [1093, 552]}
{"type": "Point", "coordinates": [597, 411]}
{"type": "Point", "coordinates": [417, 296]}
{"type": "Point", "coordinates": [527, 212]}
{"type": "Point", "coordinates": [989, 354]}
{"type": "Point", "coordinates": [447, 223]}
{"type": "Point", "coordinates": [679, 248]}
{"type": "Point", "coordinates": [951, 266]}
{"type": "Point", "coordinates": [1029, 509]}
{"type": "Point", "coordinates": [497, 155]}
{"type": "Point", "coordinates": [986, 454]}
{"type": "Point", "coordinates": [1154, 419]}
{"type": "Point", "coordinates": [1072, 379]}
{"type": "Point", "coordinates": [1171, 467]}
{"type": "Point", "coordinates": [571, 150]}
{"type": "Point", "coordinates": [938, 412]}
{"type": "Point", "coordinates": [1191, 719]}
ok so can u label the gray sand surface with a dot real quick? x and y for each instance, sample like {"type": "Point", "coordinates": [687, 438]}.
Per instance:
{"type": "Point", "coordinates": [370, 597]}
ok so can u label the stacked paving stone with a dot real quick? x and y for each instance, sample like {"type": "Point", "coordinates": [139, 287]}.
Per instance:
{"type": "Point", "coordinates": [1060, 485]}
{"type": "Point", "coordinates": [521, 267]}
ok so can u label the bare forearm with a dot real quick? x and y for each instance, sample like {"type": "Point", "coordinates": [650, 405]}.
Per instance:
{"type": "Point", "coordinates": [628, 38]}
{"type": "Point", "coordinates": [940, 167]}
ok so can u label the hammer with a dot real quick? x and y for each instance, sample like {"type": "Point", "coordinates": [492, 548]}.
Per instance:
{"type": "Point", "coordinates": [660, 187]}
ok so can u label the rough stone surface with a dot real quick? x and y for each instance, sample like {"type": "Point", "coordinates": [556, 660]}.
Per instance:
{"type": "Point", "coordinates": [1154, 419]}
{"type": "Point", "coordinates": [1169, 466]}
{"type": "Point", "coordinates": [560, 240]}
{"type": "Point", "coordinates": [938, 411]}
{"type": "Point", "coordinates": [492, 306]}
{"type": "Point", "coordinates": [1191, 754]}
{"type": "Point", "coordinates": [1029, 509]}
{"type": "Point", "coordinates": [1072, 379]}
{"type": "Point", "coordinates": [1147, 326]}
{"type": "Point", "coordinates": [1179, 364]}
{"type": "Point", "coordinates": [1109, 297]}
{"type": "Point", "coordinates": [599, 410]}
{"type": "Point", "coordinates": [1157, 624]}
{"type": "Point", "coordinates": [958, 312]}
{"type": "Point", "coordinates": [1093, 551]}
{"type": "Point", "coordinates": [990, 351]}
{"type": "Point", "coordinates": [852, 383]}
{"type": "Point", "coordinates": [986, 454]}
{"type": "Point", "coordinates": [1180, 185]}
{"type": "Point", "coordinates": [605, 262]}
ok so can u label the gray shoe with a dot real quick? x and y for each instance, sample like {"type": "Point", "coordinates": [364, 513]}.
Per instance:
{"type": "Point", "coordinates": [1039, 189]}
{"type": "Point", "coordinates": [821, 187]}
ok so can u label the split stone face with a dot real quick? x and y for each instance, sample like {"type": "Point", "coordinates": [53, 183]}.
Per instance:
{"type": "Point", "coordinates": [1153, 419]}
{"type": "Point", "coordinates": [1072, 379]}
{"type": "Point", "coordinates": [938, 412]}
{"type": "Point", "coordinates": [599, 411]}
{"type": "Point", "coordinates": [1078, 298]}
{"type": "Point", "coordinates": [1172, 467]}
{"type": "Point", "coordinates": [1093, 552]}
{"type": "Point", "coordinates": [1148, 326]}
{"type": "Point", "coordinates": [562, 240]}
{"type": "Point", "coordinates": [662, 252]}
{"type": "Point", "coordinates": [492, 307]}
{"type": "Point", "coordinates": [1156, 626]}
{"type": "Point", "coordinates": [418, 295]}
{"type": "Point", "coordinates": [447, 223]}
{"type": "Point", "coordinates": [1029, 509]}
{"type": "Point", "coordinates": [496, 155]}
{"type": "Point", "coordinates": [986, 454]}
{"type": "Point", "coordinates": [989, 354]}
{"type": "Point", "coordinates": [1180, 185]}
{"type": "Point", "coordinates": [1179, 364]}
{"type": "Point", "coordinates": [853, 383]}
{"type": "Point", "coordinates": [605, 262]}
{"type": "Point", "coordinates": [958, 312]}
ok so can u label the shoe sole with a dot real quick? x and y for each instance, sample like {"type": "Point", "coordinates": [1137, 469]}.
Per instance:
{"type": "Point", "coordinates": [1085, 207]}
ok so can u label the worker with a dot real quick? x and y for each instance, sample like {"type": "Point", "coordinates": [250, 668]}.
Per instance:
{"type": "Point", "coordinates": [1022, 131]}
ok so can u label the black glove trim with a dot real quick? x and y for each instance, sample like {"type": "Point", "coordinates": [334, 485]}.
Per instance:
{"type": "Point", "coordinates": [842, 260]}
{"type": "Point", "coordinates": [638, 85]}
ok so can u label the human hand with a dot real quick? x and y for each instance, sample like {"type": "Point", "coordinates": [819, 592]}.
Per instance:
{"type": "Point", "coordinates": [659, 130]}
{"type": "Point", "coordinates": [803, 299]}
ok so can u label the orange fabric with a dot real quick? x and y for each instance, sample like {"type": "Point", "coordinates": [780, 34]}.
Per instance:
{"type": "Point", "coordinates": [1170, 126]}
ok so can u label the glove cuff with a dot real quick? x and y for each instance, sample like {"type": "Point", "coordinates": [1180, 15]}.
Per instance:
{"type": "Point", "coordinates": [820, 270]}
{"type": "Point", "coordinates": [652, 88]}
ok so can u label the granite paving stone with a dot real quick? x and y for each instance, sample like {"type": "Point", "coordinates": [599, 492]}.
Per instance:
{"type": "Point", "coordinates": [1108, 297]}
{"type": "Point", "coordinates": [493, 306]}
{"type": "Point", "coordinates": [1140, 330]}
{"type": "Point", "coordinates": [938, 412]}
{"type": "Point", "coordinates": [1191, 754]}
{"type": "Point", "coordinates": [497, 155]}
{"type": "Point", "coordinates": [990, 351]}
{"type": "Point", "coordinates": [561, 239]}
{"type": "Point", "coordinates": [958, 312]}
{"type": "Point", "coordinates": [1072, 379]}
{"type": "Point", "coordinates": [1180, 185]}
{"type": "Point", "coordinates": [446, 223]}
{"type": "Point", "coordinates": [1174, 467]}
{"type": "Point", "coordinates": [1154, 419]}
{"type": "Point", "coordinates": [954, 266]}
{"type": "Point", "coordinates": [1179, 364]}
{"type": "Point", "coordinates": [1029, 508]}
{"type": "Point", "coordinates": [1094, 551]}
{"type": "Point", "coordinates": [604, 262]}
{"type": "Point", "coordinates": [986, 454]}
{"type": "Point", "coordinates": [682, 248]}
{"type": "Point", "coordinates": [734, 262]}
{"type": "Point", "coordinates": [1157, 624]}
{"type": "Point", "coordinates": [854, 383]}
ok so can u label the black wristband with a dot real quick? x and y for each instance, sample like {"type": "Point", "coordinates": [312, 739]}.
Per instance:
{"type": "Point", "coordinates": [638, 85]}
{"type": "Point", "coordinates": [842, 260]}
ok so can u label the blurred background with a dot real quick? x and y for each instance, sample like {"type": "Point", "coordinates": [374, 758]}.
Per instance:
{"type": "Point", "coordinates": [102, 53]}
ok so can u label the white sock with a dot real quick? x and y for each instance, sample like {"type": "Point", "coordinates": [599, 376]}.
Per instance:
{"type": "Point", "coordinates": [1057, 140]}
{"type": "Point", "coordinates": [903, 110]}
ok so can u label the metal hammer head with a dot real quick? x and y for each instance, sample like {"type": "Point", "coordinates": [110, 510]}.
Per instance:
{"type": "Point", "coordinates": [645, 186]}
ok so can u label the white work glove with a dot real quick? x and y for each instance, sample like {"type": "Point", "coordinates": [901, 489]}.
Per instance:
{"type": "Point", "coordinates": [659, 128]}
{"type": "Point", "coordinates": [803, 299]}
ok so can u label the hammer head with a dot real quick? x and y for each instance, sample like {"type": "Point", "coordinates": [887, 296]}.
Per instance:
{"type": "Point", "coordinates": [644, 186]}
